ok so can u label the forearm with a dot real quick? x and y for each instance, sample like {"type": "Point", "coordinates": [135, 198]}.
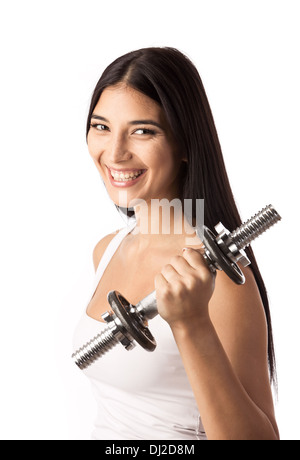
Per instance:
{"type": "Point", "coordinates": [226, 409]}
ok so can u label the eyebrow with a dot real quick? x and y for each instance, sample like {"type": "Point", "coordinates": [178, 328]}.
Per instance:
{"type": "Point", "coordinates": [132, 123]}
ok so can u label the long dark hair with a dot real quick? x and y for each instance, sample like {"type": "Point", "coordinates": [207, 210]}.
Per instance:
{"type": "Point", "coordinates": [168, 77]}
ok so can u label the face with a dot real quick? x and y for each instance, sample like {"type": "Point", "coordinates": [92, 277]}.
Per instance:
{"type": "Point", "coordinates": [132, 147]}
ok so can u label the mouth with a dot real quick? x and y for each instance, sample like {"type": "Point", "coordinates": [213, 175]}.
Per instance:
{"type": "Point", "coordinates": [125, 177]}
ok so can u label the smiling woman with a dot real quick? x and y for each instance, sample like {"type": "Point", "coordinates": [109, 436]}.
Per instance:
{"type": "Point", "coordinates": [134, 146]}
{"type": "Point", "coordinates": [151, 134]}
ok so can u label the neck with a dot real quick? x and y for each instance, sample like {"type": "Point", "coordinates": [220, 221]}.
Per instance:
{"type": "Point", "coordinates": [161, 220]}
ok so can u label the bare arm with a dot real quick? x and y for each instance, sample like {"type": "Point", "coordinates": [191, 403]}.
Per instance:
{"type": "Point", "coordinates": [220, 330]}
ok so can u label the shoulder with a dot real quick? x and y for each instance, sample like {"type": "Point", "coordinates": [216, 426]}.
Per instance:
{"type": "Point", "coordinates": [101, 247]}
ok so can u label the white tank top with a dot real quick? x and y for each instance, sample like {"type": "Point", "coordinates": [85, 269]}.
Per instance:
{"type": "Point", "coordinates": [139, 394]}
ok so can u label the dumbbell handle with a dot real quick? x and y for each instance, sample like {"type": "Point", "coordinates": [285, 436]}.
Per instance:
{"type": "Point", "coordinates": [147, 307]}
{"type": "Point", "coordinates": [127, 323]}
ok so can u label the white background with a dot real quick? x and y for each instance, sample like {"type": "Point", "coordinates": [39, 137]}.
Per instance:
{"type": "Point", "coordinates": [54, 208]}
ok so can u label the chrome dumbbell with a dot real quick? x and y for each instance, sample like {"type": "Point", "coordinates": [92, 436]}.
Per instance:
{"type": "Point", "coordinates": [126, 323]}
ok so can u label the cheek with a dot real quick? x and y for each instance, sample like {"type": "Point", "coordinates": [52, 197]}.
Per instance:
{"type": "Point", "coordinates": [94, 152]}
{"type": "Point", "coordinates": [162, 157]}
{"type": "Point", "coordinates": [169, 165]}
{"type": "Point", "coordinates": [93, 147]}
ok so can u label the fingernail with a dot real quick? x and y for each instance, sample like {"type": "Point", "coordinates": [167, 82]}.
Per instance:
{"type": "Point", "coordinates": [184, 249]}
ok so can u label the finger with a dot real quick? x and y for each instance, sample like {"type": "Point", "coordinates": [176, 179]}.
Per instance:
{"type": "Point", "coordinates": [195, 257]}
{"type": "Point", "coordinates": [181, 265]}
{"type": "Point", "coordinates": [170, 273]}
{"type": "Point", "coordinates": [200, 249]}
{"type": "Point", "coordinates": [160, 281]}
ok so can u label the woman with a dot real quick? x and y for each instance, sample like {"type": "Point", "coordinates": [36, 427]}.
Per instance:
{"type": "Point", "coordinates": [151, 135]}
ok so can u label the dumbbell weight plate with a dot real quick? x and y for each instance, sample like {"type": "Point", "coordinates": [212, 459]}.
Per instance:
{"type": "Point", "coordinates": [216, 255]}
{"type": "Point", "coordinates": [131, 321]}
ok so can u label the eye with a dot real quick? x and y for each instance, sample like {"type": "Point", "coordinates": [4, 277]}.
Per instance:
{"type": "Point", "coordinates": [99, 127]}
{"type": "Point", "coordinates": [144, 131]}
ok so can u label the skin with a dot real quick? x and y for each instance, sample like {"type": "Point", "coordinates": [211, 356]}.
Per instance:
{"type": "Point", "coordinates": [219, 327]}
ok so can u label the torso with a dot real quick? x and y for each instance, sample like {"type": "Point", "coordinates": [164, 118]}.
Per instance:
{"type": "Point", "coordinates": [132, 272]}
{"type": "Point", "coordinates": [137, 394]}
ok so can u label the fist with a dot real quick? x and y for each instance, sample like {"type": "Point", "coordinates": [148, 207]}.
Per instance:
{"type": "Point", "coordinates": [184, 288]}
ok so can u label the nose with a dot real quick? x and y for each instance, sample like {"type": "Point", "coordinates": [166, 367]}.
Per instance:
{"type": "Point", "coordinates": [118, 149]}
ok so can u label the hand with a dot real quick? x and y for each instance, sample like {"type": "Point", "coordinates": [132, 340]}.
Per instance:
{"type": "Point", "coordinates": [184, 288]}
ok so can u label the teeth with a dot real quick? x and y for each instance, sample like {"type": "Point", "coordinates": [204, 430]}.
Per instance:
{"type": "Point", "coordinates": [124, 177]}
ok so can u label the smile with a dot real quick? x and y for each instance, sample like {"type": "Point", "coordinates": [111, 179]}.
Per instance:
{"type": "Point", "coordinates": [125, 178]}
